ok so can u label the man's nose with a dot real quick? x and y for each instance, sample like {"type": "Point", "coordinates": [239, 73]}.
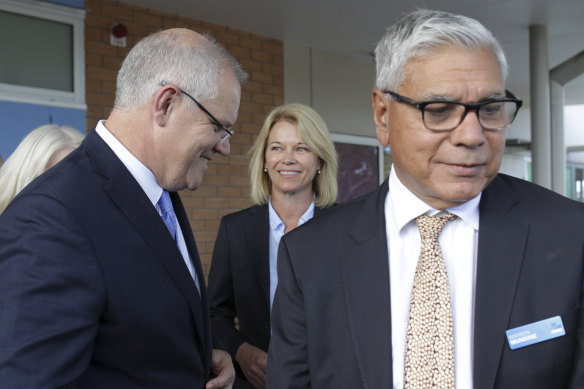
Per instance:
{"type": "Point", "coordinates": [223, 148]}
{"type": "Point", "coordinates": [469, 132]}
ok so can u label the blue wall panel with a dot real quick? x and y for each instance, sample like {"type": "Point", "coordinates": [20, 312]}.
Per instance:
{"type": "Point", "coordinates": [70, 3]}
{"type": "Point", "coordinates": [17, 120]}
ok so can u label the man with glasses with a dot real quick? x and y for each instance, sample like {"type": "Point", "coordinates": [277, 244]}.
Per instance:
{"type": "Point", "coordinates": [101, 285]}
{"type": "Point", "coordinates": [450, 275]}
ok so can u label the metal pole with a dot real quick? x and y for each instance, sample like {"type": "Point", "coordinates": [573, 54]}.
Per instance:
{"type": "Point", "coordinates": [540, 105]}
{"type": "Point", "coordinates": [557, 136]}
{"type": "Point", "coordinates": [559, 76]}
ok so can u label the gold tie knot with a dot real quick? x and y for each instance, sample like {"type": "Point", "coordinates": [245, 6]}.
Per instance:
{"type": "Point", "coordinates": [431, 226]}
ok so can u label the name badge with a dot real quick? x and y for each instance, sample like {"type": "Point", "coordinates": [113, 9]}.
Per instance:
{"type": "Point", "coordinates": [535, 332]}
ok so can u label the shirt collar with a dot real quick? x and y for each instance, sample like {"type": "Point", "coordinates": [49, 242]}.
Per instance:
{"type": "Point", "coordinates": [139, 171]}
{"type": "Point", "coordinates": [407, 206]}
{"type": "Point", "coordinates": [306, 216]}
{"type": "Point", "coordinates": [276, 222]}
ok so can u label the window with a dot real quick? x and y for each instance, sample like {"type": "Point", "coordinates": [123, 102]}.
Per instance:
{"type": "Point", "coordinates": [361, 162]}
{"type": "Point", "coordinates": [578, 184]}
{"type": "Point", "coordinates": [42, 54]}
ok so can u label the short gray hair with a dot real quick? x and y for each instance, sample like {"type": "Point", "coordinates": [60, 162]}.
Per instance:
{"type": "Point", "coordinates": [422, 32]}
{"type": "Point", "coordinates": [165, 56]}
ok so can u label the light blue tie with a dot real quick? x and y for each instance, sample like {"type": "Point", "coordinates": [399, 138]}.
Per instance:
{"type": "Point", "coordinates": [168, 215]}
{"type": "Point", "coordinates": [169, 218]}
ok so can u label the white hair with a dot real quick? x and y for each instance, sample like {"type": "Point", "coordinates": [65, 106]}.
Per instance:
{"type": "Point", "coordinates": [31, 157]}
{"type": "Point", "coordinates": [422, 32]}
{"type": "Point", "coordinates": [165, 56]}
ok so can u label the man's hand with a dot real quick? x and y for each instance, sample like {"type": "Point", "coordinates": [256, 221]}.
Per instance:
{"type": "Point", "coordinates": [253, 362]}
{"type": "Point", "coordinates": [222, 367]}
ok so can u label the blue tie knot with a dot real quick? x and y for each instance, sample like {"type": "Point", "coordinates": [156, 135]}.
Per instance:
{"type": "Point", "coordinates": [167, 211]}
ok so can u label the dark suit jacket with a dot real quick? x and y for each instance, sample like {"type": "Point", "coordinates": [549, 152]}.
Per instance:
{"type": "Point", "coordinates": [93, 290]}
{"type": "Point", "coordinates": [331, 317]}
{"type": "Point", "coordinates": [239, 279]}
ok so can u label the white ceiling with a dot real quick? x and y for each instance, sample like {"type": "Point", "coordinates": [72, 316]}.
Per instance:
{"type": "Point", "coordinates": [353, 27]}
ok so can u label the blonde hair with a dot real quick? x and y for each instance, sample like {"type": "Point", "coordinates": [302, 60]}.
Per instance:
{"type": "Point", "coordinates": [31, 157]}
{"type": "Point", "coordinates": [314, 132]}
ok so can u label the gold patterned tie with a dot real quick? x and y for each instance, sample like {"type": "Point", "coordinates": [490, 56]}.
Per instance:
{"type": "Point", "coordinates": [429, 361]}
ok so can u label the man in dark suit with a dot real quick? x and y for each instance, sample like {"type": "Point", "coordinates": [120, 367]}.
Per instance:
{"type": "Point", "coordinates": [96, 289]}
{"type": "Point", "coordinates": [513, 252]}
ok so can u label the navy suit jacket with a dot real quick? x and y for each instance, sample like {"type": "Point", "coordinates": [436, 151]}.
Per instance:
{"type": "Point", "coordinates": [331, 318]}
{"type": "Point", "coordinates": [239, 280]}
{"type": "Point", "coordinates": [93, 290]}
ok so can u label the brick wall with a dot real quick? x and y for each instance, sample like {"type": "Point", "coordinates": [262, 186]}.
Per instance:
{"type": "Point", "coordinates": [225, 188]}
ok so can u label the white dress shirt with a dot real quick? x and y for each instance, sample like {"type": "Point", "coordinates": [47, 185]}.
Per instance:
{"type": "Point", "coordinates": [276, 232]}
{"type": "Point", "coordinates": [459, 242]}
{"type": "Point", "coordinates": [148, 183]}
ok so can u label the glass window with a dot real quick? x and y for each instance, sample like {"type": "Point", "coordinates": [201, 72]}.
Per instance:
{"type": "Point", "coordinates": [579, 184]}
{"type": "Point", "coordinates": [43, 60]}
{"type": "Point", "coordinates": [36, 52]}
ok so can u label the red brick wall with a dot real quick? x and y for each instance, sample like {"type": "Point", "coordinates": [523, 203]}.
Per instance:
{"type": "Point", "coordinates": [225, 188]}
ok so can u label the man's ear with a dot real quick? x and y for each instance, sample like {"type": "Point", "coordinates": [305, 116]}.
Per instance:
{"type": "Point", "coordinates": [381, 116]}
{"type": "Point", "coordinates": [164, 103]}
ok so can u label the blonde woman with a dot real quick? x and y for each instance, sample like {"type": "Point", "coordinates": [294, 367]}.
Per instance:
{"type": "Point", "coordinates": [293, 173]}
{"type": "Point", "coordinates": [40, 150]}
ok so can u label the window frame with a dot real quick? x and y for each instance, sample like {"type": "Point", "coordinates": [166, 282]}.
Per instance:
{"type": "Point", "coordinates": [43, 96]}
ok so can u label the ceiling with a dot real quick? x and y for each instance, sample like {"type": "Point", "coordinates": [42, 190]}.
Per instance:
{"type": "Point", "coordinates": [352, 27]}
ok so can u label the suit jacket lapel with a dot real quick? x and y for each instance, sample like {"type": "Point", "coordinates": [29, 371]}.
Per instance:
{"type": "Point", "coordinates": [257, 233]}
{"type": "Point", "coordinates": [199, 305]}
{"type": "Point", "coordinates": [502, 238]}
{"type": "Point", "coordinates": [365, 275]}
{"type": "Point", "coordinates": [133, 203]}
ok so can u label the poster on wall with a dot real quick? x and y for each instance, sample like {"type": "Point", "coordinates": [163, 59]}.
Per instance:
{"type": "Point", "coordinates": [358, 170]}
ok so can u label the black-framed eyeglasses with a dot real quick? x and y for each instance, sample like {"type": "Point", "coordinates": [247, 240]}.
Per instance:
{"type": "Point", "coordinates": [223, 132]}
{"type": "Point", "coordinates": [444, 115]}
